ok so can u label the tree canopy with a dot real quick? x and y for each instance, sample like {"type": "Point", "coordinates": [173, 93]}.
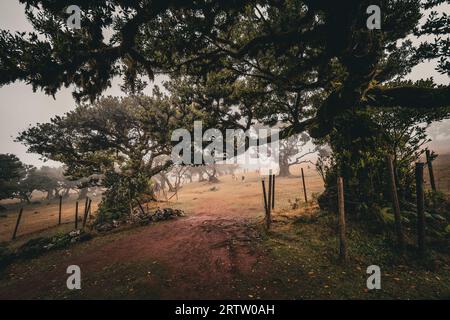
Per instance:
{"type": "Point", "coordinates": [309, 48]}
{"type": "Point", "coordinates": [12, 170]}
{"type": "Point", "coordinates": [115, 134]}
{"type": "Point", "coordinates": [117, 143]}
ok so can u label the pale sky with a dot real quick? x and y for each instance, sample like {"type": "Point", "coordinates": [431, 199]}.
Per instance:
{"type": "Point", "coordinates": [20, 107]}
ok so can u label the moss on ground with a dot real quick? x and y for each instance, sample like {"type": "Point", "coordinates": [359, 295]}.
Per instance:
{"type": "Point", "coordinates": [305, 264]}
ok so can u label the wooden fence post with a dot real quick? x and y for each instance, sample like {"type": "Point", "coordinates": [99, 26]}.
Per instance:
{"type": "Point", "coordinates": [86, 203]}
{"type": "Point", "coordinates": [60, 210]}
{"type": "Point", "coordinates": [396, 205]}
{"type": "Point", "coordinates": [342, 236]}
{"type": "Point", "coordinates": [76, 215]}
{"type": "Point", "coordinates": [269, 200]}
{"type": "Point", "coordinates": [420, 208]}
{"type": "Point", "coordinates": [273, 192]}
{"type": "Point", "coordinates": [86, 211]}
{"type": "Point", "coordinates": [140, 207]}
{"type": "Point", "coordinates": [267, 216]}
{"type": "Point", "coordinates": [19, 217]}
{"type": "Point", "coordinates": [304, 187]}
{"type": "Point", "coordinates": [430, 170]}
{"type": "Point", "coordinates": [89, 208]}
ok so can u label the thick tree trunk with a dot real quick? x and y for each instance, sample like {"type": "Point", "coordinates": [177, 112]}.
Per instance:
{"type": "Point", "coordinates": [66, 193]}
{"type": "Point", "coordinates": [343, 252]}
{"type": "Point", "coordinates": [284, 170]}
{"type": "Point", "coordinates": [51, 194]}
{"type": "Point", "coordinates": [27, 198]}
{"type": "Point", "coordinates": [396, 206]}
{"type": "Point", "coordinates": [83, 193]}
{"type": "Point", "coordinates": [213, 179]}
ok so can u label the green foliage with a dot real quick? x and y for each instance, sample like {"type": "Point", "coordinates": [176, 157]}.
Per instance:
{"type": "Point", "coordinates": [121, 194]}
{"type": "Point", "coordinates": [319, 53]}
{"type": "Point", "coordinates": [447, 230]}
{"type": "Point", "coordinates": [386, 215]}
{"type": "Point", "coordinates": [118, 143]}
{"type": "Point", "coordinates": [360, 144]}
{"type": "Point", "coordinates": [123, 134]}
{"type": "Point", "coordinates": [38, 246]}
{"type": "Point", "coordinates": [35, 180]}
{"type": "Point", "coordinates": [6, 256]}
{"type": "Point", "coordinates": [18, 180]}
{"type": "Point", "coordinates": [359, 157]}
{"type": "Point", "coordinates": [303, 65]}
{"type": "Point", "coordinates": [12, 170]}
{"type": "Point", "coordinates": [437, 25]}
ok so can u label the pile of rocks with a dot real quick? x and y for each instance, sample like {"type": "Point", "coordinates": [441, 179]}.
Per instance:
{"type": "Point", "coordinates": [141, 218]}
{"type": "Point", "coordinates": [35, 247]}
{"type": "Point", "coordinates": [107, 226]}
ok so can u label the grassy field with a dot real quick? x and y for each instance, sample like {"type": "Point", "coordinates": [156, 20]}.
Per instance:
{"type": "Point", "coordinates": [40, 218]}
{"type": "Point", "coordinates": [441, 168]}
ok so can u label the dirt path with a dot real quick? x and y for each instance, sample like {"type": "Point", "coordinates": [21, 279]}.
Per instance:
{"type": "Point", "coordinates": [211, 253]}
{"type": "Point", "coordinates": [201, 255]}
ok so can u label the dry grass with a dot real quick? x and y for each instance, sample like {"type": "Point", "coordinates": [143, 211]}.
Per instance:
{"type": "Point", "coordinates": [248, 194]}
{"type": "Point", "coordinates": [41, 218]}
{"type": "Point", "coordinates": [441, 168]}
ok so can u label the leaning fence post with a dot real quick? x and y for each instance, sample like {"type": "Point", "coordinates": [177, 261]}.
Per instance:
{"type": "Point", "coordinates": [86, 203]}
{"type": "Point", "coordinates": [267, 216]}
{"type": "Point", "coordinates": [396, 205]}
{"type": "Point", "coordinates": [342, 237]}
{"type": "Point", "coordinates": [420, 208]}
{"type": "Point", "coordinates": [19, 217]}
{"type": "Point", "coordinates": [76, 215]}
{"type": "Point", "coordinates": [86, 211]}
{"type": "Point", "coordinates": [304, 187]}
{"type": "Point", "coordinates": [89, 208]}
{"type": "Point", "coordinates": [430, 170]}
{"type": "Point", "coordinates": [60, 209]}
{"type": "Point", "coordinates": [140, 206]}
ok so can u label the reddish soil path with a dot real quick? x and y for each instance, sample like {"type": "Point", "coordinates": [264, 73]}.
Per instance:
{"type": "Point", "coordinates": [212, 253]}
{"type": "Point", "coordinates": [201, 254]}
